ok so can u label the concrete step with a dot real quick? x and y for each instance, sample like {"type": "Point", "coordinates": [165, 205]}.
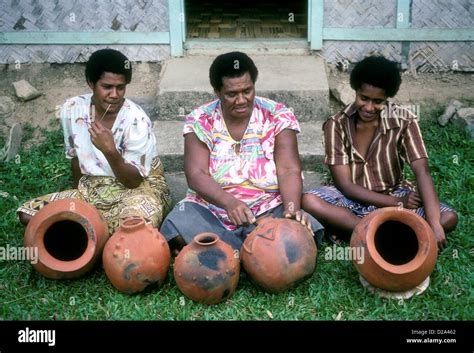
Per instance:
{"type": "Point", "coordinates": [170, 144]}
{"type": "Point", "coordinates": [251, 47]}
{"type": "Point", "coordinates": [299, 82]}
{"type": "Point", "coordinates": [178, 185]}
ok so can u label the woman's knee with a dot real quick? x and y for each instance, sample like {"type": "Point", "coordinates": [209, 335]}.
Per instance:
{"type": "Point", "coordinates": [312, 203]}
{"type": "Point", "coordinates": [24, 218]}
{"type": "Point", "coordinates": [449, 220]}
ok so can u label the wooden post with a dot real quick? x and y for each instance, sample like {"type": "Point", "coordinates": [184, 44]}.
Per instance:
{"type": "Point", "coordinates": [316, 12]}
{"type": "Point", "coordinates": [176, 17]}
{"type": "Point", "coordinates": [403, 14]}
{"type": "Point", "coordinates": [404, 21]}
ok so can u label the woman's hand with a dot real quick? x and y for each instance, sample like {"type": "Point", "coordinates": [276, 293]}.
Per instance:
{"type": "Point", "coordinates": [102, 138]}
{"type": "Point", "coordinates": [439, 235]}
{"type": "Point", "coordinates": [239, 213]}
{"type": "Point", "coordinates": [300, 216]}
{"type": "Point", "coordinates": [411, 200]}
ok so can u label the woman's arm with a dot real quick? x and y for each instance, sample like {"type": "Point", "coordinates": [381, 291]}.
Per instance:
{"type": "Point", "coordinates": [103, 140]}
{"type": "Point", "coordinates": [76, 172]}
{"type": "Point", "coordinates": [196, 168]}
{"type": "Point", "coordinates": [288, 168]}
{"type": "Point", "coordinates": [429, 198]}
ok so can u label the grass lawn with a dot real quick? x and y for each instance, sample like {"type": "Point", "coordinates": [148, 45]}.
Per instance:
{"type": "Point", "coordinates": [332, 293]}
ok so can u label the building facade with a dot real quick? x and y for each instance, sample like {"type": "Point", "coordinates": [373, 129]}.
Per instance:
{"type": "Point", "coordinates": [425, 35]}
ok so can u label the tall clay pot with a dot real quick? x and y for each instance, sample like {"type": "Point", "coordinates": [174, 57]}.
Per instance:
{"type": "Point", "coordinates": [70, 235]}
{"type": "Point", "coordinates": [278, 254]}
{"type": "Point", "coordinates": [136, 256]}
{"type": "Point", "coordinates": [206, 270]}
{"type": "Point", "coordinates": [399, 247]}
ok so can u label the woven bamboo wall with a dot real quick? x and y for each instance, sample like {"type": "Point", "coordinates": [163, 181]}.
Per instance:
{"type": "Point", "coordinates": [421, 56]}
{"type": "Point", "coordinates": [442, 56]}
{"type": "Point", "coordinates": [442, 13]}
{"type": "Point", "coordinates": [347, 51]}
{"type": "Point", "coordinates": [152, 15]}
{"type": "Point", "coordinates": [77, 53]}
{"type": "Point", "coordinates": [359, 13]}
{"type": "Point", "coordinates": [84, 15]}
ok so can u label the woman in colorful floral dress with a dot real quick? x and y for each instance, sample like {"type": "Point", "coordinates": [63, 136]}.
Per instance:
{"type": "Point", "coordinates": [241, 161]}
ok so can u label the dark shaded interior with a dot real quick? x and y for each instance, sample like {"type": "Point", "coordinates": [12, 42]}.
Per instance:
{"type": "Point", "coordinates": [207, 240]}
{"type": "Point", "coordinates": [65, 240]}
{"type": "Point", "coordinates": [246, 19]}
{"type": "Point", "coordinates": [396, 242]}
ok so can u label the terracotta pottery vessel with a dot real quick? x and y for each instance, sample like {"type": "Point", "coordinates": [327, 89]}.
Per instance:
{"type": "Point", "coordinates": [399, 247]}
{"type": "Point", "coordinates": [70, 235]}
{"type": "Point", "coordinates": [278, 254]}
{"type": "Point", "coordinates": [207, 270]}
{"type": "Point", "coordinates": [136, 256]}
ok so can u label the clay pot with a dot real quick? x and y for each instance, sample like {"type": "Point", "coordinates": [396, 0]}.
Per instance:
{"type": "Point", "coordinates": [400, 250]}
{"type": "Point", "coordinates": [278, 254]}
{"type": "Point", "coordinates": [206, 270]}
{"type": "Point", "coordinates": [136, 256]}
{"type": "Point", "coordinates": [70, 235]}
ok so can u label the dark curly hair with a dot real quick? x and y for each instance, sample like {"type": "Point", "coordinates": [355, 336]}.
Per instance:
{"type": "Point", "coordinates": [107, 60]}
{"type": "Point", "coordinates": [233, 64]}
{"type": "Point", "coordinates": [378, 72]}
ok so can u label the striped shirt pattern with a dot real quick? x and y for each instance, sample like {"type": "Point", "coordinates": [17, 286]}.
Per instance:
{"type": "Point", "coordinates": [397, 140]}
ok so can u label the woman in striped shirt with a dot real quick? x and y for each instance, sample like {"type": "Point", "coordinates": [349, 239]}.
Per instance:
{"type": "Point", "coordinates": [367, 144]}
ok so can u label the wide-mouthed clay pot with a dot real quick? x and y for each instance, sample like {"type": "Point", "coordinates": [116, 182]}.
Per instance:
{"type": "Point", "coordinates": [278, 254]}
{"type": "Point", "coordinates": [70, 235]}
{"type": "Point", "coordinates": [136, 256]}
{"type": "Point", "coordinates": [399, 247]}
{"type": "Point", "coordinates": [207, 270]}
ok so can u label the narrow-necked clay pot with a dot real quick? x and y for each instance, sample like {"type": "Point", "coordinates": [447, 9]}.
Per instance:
{"type": "Point", "coordinates": [400, 250]}
{"type": "Point", "coordinates": [70, 235]}
{"type": "Point", "coordinates": [278, 254]}
{"type": "Point", "coordinates": [136, 256]}
{"type": "Point", "coordinates": [207, 270]}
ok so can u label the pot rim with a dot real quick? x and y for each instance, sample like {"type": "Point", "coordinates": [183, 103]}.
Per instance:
{"type": "Point", "coordinates": [55, 264]}
{"type": "Point", "coordinates": [131, 223]}
{"type": "Point", "coordinates": [199, 239]}
{"type": "Point", "coordinates": [411, 220]}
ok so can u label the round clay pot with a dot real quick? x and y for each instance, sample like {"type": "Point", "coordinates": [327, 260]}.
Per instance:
{"type": "Point", "coordinates": [399, 247]}
{"type": "Point", "coordinates": [136, 256]}
{"type": "Point", "coordinates": [70, 235]}
{"type": "Point", "coordinates": [206, 270]}
{"type": "Point", "coordinates": [278, 254]}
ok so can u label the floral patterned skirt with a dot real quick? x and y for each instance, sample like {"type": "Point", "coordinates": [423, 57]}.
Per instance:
{"type": "Point", "coordinates": [150, 200]}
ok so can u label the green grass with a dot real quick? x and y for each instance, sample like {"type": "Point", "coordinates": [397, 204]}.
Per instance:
{"type": "Point", "coordinates": [332, 292]}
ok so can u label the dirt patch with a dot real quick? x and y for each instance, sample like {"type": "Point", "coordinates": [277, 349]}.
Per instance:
{"type": "Point", "coordinates": [424, 89]}
{"type": "Point", "coordinates": [57, 82]}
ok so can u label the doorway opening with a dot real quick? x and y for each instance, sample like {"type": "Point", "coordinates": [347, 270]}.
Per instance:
{"type": "Point", "coordinates": [246, 19]}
